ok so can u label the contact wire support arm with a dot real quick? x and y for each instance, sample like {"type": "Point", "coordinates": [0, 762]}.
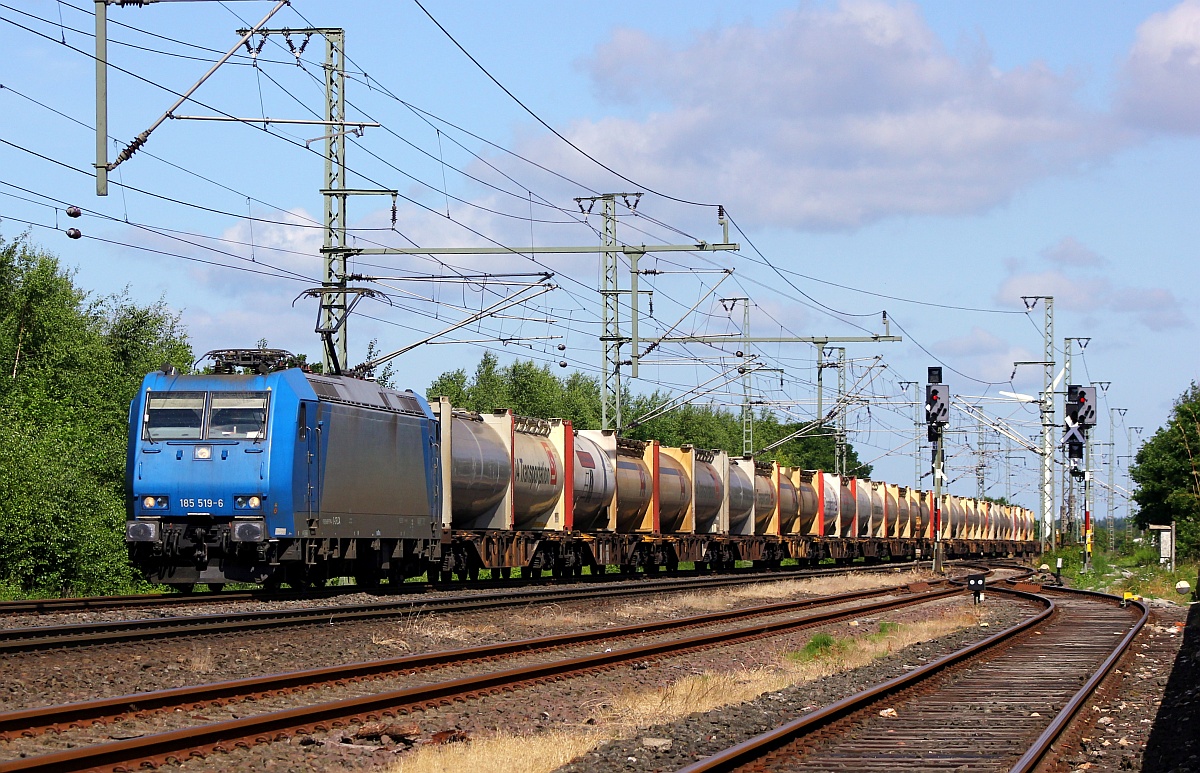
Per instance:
{"type": "Point", "coordinates": [140, 140]}
{"type": "Point", "coordinates": [336, 321]}
{"type": "Point", "coordinates": [519, 297]}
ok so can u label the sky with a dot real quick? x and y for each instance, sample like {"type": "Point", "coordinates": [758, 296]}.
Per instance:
{"type": "Point", "coordinates": [934, 161]}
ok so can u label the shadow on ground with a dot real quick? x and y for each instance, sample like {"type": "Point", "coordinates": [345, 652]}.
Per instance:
{"type": "Point", "coordinates": [1174, 744]}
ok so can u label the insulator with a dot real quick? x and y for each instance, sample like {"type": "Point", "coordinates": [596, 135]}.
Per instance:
{"type": "Point", "coordinates": [74, 233]}
{"type": "Point", "coordinates": [562, 347]}
{"type": "Point", "coordinates": [562, 363]}
{"type": "Point", "coordinates": [739, 353]}
{"type": "Point", "coordinates": [74, 211]}
{"type": "Point", "coordinates": [742, 371]}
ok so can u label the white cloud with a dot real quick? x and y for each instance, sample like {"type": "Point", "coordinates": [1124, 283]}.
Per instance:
{"type": "Point", "coordinates": [1070, 252]}
{"type": "Point", "coordinates": [1160, 80]}
{"type": "Point", "coordinates": [830, 118]}
{"type": "Point", "coordinates": [1070, 292]}
{"type": "Point", "coordinates": [978, 341]}
{"type": "Point", "coordinates": [984, 355]}
{"type": "Point", "coordinates": [1157, 308]}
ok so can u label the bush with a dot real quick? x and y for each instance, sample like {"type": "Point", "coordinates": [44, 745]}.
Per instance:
{"type": "Point", "coordinates": [70, 367]}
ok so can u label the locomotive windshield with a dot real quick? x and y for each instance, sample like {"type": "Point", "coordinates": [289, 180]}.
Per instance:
{"type": "Point", "coordinates": [237, 415]}
{"type": "Point", "coordinates": [174, 415]}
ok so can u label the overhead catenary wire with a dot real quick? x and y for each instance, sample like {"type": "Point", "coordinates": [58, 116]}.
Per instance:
{"type": "Point", "coordinates": [243, 216]}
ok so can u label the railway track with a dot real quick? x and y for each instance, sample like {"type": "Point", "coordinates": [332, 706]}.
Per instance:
{"type": "Point", "coordinates": [32, 638]}
{"type": "Point", "coordinates": [175, 745]}
{"type": "Point", "coordinates": [996, 705]}
{"type": "Point", "coordinates": [151, 600]}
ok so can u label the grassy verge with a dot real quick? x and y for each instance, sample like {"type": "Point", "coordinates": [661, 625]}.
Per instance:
{"type": "Point", "coordinates": [1134, 572]}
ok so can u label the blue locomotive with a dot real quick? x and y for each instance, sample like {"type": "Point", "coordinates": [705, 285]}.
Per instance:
{"type": "Point", "coordinates": [235, 477]}
{"type": "Point", "coordinates": [264, 473]}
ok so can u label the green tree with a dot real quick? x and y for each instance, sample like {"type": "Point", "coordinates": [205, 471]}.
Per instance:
{"type": "Point", "coordinates": [816, 449]}
{"type": "Point", "coordinates": [452, 384]}
{"type": "Point", "coordinates": [69, 366]}
{"type": "Point", "coordinates": [1167, 473]}
{"type": "Point", "coordinates": [531, 390]}
{"type": "Point", "coordinates": [385, 376]}
{"type": "Point", "coordinates": [488, 389]}
{"type": "Point", "coordinates": [581, 401]}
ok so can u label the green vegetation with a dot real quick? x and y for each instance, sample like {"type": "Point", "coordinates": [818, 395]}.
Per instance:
{"type": "Point", "coordinates": [1134, 570]}
{"type": "Point", "coordinates": [1167, 476]}
{"type": "Point", "coordinates": [820, 645]}
{"type": "Point", "coordinates": [531, 390]}
{"type": "Point", "coordinates": [69, 366]}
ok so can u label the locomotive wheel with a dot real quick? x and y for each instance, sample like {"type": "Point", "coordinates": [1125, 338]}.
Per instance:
{"type": "Point", "coordinates": [216, 587]}
{"type": "Point", "coordinates": [186, 588]}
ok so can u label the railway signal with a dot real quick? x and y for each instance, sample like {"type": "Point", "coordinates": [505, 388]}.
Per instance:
{"type": "Point", "coordinates": [937, 404]}
{"type": "Point", "coordinates": [1081, 406]}
{"type": "Point", "coordinates": [937, 416]}
{"type": "Point", "coordinates": [1080, 414]}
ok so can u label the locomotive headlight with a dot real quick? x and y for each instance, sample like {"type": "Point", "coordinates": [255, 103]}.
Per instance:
{"type": "Point", "coordinates": [154, 503]}
{"type": "Point", "coordinates": [203, 452]}
{"type": "Point", "coordinates": [148, 503]}
{"type": "Point", "coordinates": [254, 503]}
{"type": "Point", "coordinates": [247, 502]}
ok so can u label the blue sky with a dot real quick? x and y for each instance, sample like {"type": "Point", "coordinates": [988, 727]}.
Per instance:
{"type": "Point", "coordinates": [945, 153]}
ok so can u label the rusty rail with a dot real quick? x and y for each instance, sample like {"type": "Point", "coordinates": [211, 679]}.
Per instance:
{"type": "Point", "coordinates": [33, 638]}
{"type": "Point", "coordinates": [781, 747]}
{"type": "Point", "coordinates": [1038, 749]}
{"type": "Point", "coordinates": [95, 603]}
{"type": "Point", "coordinates": [179, 744]}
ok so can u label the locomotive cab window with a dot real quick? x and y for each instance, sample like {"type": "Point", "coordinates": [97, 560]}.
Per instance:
{"type": "Point", "coordinates": [237, 416]}
{"type": "Point", "coordinates": [174, 416]}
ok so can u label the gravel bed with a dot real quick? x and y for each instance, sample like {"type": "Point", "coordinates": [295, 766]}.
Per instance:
{"type": "Point", "coordinates": [215, 606]}
{"type": "Point", "coordinates": [669, 747]}
{"type": "Point", "coordinates": [76, 674]}
{"type": "Point", "coordinates": [164, 722]}
{"type": "Point", "coordinates": [575, 703]}
{"type": "Point", "coordinates": [1147, 717]}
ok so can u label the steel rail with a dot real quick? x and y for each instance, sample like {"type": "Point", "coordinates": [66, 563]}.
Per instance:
{"type": "Point", "coordinates": [1030, 759]}
{"type": "Point", "coordinates": [29, 722]}
{"type": "Point", "coordinates": [32, 638]}
{"type": "Point", "coordinates": [755, 749]}
{"type": "Point", "coordinates": [94, 603]}
{"type": "Point", "coordinates": [178, 745]}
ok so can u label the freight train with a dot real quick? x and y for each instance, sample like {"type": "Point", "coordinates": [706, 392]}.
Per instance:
{"type": "Point", "coordinates": [270, 475]}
